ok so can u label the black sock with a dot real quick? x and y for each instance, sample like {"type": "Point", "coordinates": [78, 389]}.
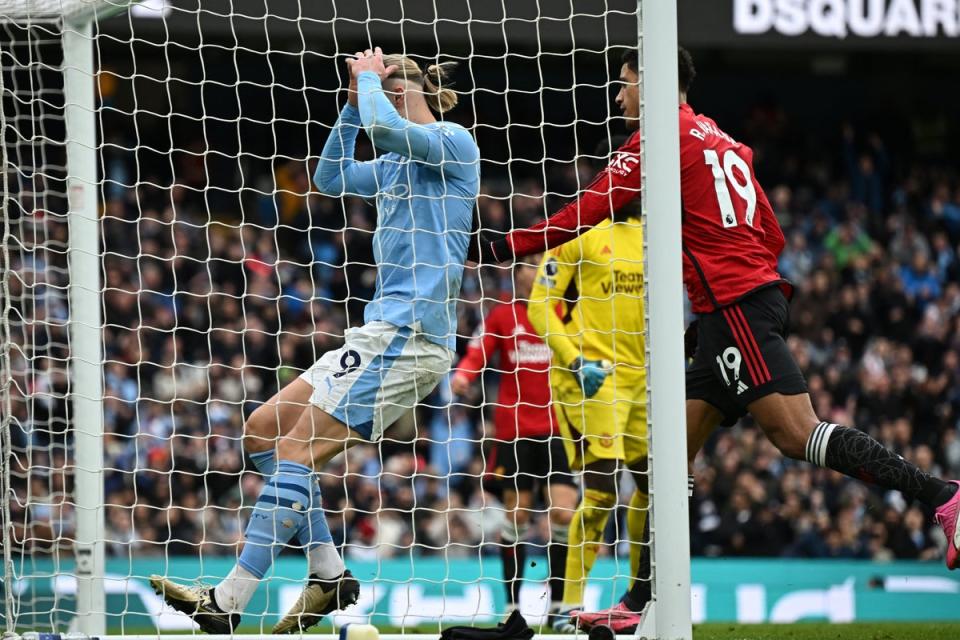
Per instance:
{"type": "Point", "coordinates": [642, 590]}
{"type": "Point", "coordinates": [856, 454]}
{"type": "Point", "coordinates": [945, 494]}
{"type": "Point", "coordinates": [558, 569]}
{"type": "Point", "coordinates": [513, 555]}
{"type": "Point", "coordinates": [521, 558]}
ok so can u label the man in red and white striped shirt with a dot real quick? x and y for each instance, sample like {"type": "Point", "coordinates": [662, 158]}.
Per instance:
{"type": "Point", "coordinates": [527, 455]}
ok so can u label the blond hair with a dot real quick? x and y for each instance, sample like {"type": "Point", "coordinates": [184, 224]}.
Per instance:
{"type": "Point", "coordinates": [436, 89]}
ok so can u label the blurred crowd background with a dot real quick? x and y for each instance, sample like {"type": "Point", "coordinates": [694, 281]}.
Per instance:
{"type": "Point", "coordinates": [205, 317]}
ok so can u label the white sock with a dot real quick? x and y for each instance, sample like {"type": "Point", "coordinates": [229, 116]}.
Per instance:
{"type": "Point", "coordinates": [234, 593]}
{"type": "Point", "coordinates": [325, 562]}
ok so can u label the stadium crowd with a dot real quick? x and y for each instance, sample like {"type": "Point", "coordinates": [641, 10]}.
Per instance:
{"type": "Point", "coordinates": [205, 319]}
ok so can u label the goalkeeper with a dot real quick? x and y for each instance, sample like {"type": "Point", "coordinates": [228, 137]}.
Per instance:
{"type": "Point", "coordinates": [425, 183]}
{"type": "Point", "coordinates": [527, 457]}
{"type": "Point", "coordinates": [587, 302]}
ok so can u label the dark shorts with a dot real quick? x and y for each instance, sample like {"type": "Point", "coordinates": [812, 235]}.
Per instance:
{"type": "Point", "coordinates": [527, 464]}
{"type": "Point", "coordinates": [742, 355]}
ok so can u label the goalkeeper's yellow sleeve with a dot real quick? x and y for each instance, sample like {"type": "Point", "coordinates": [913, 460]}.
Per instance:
{"type": "Point", "coordinates": [554, 275]}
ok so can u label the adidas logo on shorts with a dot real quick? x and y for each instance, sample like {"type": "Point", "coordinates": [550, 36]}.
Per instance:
{"type": "Point", "coordinates": [741, 387]}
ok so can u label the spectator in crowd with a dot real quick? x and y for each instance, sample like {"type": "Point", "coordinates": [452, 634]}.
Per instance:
{"type": "Point", "coordinates": [204, 321]}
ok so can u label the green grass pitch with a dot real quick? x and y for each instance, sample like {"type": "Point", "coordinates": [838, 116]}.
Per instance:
{"type": "Point", "coordinates": [799, 631]}
{"type": "Point", "coordinates": [825, 631]}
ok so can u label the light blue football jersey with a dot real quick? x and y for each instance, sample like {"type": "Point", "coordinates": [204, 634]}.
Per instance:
{"type": "Point", "coordinates": [425, 183]}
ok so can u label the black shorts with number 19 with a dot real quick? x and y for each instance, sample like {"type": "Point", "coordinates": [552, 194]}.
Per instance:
{"type": "Point", "coordinates": [742, 355]}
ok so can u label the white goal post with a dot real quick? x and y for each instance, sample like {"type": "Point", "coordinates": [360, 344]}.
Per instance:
{"type": "Point", "coordinates": [85, 323]}
{"type": "Point", "coordinates": [55, 156]}
{"type": "Point", "coordinates": [664, 286]}
{"type": "Point", "coordinates": [72, 20]}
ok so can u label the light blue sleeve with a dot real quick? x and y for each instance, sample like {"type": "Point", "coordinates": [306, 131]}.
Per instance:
{"type": "Point", "coordinates": [446, 148]}
{"type": "Point", "coordinates": [337, 172]}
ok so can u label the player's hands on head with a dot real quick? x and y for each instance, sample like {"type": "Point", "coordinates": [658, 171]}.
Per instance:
{"type": "Point", "coordinates": [352, 88]}
{"type": "Point", "coordinates": [590, 374]}
{"type": "Point", "coordinates": [369, 60]}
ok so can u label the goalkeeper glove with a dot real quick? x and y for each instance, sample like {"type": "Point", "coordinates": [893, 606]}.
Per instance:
{"type": "Point", "coordinates": [590, 374]}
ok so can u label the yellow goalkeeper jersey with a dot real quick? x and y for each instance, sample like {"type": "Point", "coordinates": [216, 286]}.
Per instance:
{"type": "Point", "coordinates": [588, 296]}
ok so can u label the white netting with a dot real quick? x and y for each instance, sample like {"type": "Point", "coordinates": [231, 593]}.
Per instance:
{"type": "Point", "coordinates": [225, 274]}
{"type": "Point", "coordinates": [36, 344]}
{"type": "Point", "coordinates": [55, 11]}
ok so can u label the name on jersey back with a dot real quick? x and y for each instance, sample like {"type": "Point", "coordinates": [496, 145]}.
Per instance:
{"type": "Point", "coordinates": [705, 129]}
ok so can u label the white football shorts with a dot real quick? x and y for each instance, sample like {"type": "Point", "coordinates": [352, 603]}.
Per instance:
{"type": "Point", "coordinates": [380, 372]}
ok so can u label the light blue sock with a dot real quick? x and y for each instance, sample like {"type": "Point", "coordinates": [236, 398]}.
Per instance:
{"type": "Point", "coordinates": [265, 462]}
{"type": "Point", "coordinates": [281, 510]}
{"type": "Point", "coordinates": [315, 530]}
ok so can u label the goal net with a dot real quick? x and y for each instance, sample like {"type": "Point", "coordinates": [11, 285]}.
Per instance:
{"type": "Point", "coordinates": [168, 266]}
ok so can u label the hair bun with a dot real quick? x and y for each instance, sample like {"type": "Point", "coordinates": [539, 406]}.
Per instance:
{"type": "Point", "coordinates": [438, 94]}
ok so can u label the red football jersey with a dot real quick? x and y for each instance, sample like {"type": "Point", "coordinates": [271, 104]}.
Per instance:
{"type": "Point", "coordinates": [731, 238]}
{"type": "Point", "coordinates": [616, 185]}
{"type": "Point", "coordinates": [523, 406]}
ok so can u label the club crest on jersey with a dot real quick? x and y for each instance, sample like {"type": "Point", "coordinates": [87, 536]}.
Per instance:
{"type": "Point", "coordinates": [624, 162]}
{"type": "Point", "coordinates": [390, 197]}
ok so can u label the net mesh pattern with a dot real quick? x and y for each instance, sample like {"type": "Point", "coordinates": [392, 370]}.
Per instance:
{"type": "Point", "coordinates": [225, 275]}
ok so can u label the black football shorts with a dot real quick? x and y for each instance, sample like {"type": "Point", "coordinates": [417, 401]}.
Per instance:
{"type": "Point", "coordinates": [742, 356]}
{"type": "Point", "coordinates": [526, 464]}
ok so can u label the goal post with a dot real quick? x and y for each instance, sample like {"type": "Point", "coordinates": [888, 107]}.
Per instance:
{"type": "Point", "coordinates": [42, 23]}
{"type": "Point", "coordinates": [660, 153]}
{"type": "Point", "coordinates": [86, 353]}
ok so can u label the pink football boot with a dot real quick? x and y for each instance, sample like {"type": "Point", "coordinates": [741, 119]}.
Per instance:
{"type": "Point", "coordinates": [619, 618]}
{"type": "Point", "coordinates": [947, 516]}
